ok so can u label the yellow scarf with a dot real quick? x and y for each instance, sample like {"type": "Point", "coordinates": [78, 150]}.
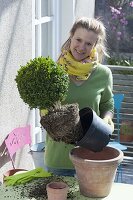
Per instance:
{"type": "Point", "coordinates": [82, 69]}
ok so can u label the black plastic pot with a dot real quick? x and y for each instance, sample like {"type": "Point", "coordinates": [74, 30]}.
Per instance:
{"type": "Point", "coordinates": [96, 131]}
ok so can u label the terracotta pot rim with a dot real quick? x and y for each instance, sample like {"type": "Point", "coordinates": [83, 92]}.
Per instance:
{"type": "Point", "coordinates": [119, 158]}
{"type": "Point", "coordinates": [63, 184]}
{"type": "Point", "coordinates": [11, 172]}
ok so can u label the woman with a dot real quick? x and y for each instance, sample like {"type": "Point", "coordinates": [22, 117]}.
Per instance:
{"type": "Point", "coordinates": [90, 84]}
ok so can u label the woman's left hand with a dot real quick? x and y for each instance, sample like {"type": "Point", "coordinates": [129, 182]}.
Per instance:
{"type": "Point", "coordinates": [109, 121]}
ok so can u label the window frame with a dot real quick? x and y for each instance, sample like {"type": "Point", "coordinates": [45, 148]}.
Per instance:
{"type": "Point", "coordinates": [60, 28]}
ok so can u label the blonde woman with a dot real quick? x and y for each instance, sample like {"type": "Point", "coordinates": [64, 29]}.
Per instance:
{"type": "Point", "coordinates": [90, 84]}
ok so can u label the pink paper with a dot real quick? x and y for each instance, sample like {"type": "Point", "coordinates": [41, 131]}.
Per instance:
{"type": "Point", "coordinates": [17, 139]}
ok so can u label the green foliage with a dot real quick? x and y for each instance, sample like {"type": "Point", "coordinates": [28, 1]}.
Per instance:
{"type": "Point", "coordinates": [118, 2]}
{"type": "Point", "coordinates": [126, 129]}
{"type": "Point", "coordinates": [120, 61]}
{"type": "Point", "coordinates": [42, 82]}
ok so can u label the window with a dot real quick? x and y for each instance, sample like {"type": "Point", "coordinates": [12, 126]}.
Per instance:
{"type": "Point", "coordinates": [51, 20]}
{"type": "Point", "coordinates": [45, 28]}
{"type": "Point", "coordinates": [44, 42]}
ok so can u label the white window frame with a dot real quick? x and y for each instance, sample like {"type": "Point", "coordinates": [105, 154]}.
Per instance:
{"type": "Point", "coordinates": [38, 135]}
{"type": "Point", "coordinates": [62, 18]}
{"type": "Point", "coordinates": [54, 18]}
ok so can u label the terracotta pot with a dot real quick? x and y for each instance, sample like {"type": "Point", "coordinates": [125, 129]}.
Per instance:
{"type": "Point", "coordinates": [57, 191]}
{"type": "Point", "coordinates": [126, 138]}
{"type": "Point", "coordinates": [96, 170]}
{"type": "Point", "coordinates": [126, 131]}
{"type": "Point", "coordinates": [12, 172]}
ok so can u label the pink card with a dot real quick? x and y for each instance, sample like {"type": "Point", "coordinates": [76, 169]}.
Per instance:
{"type": "Point", "coordinates": [17, 139]}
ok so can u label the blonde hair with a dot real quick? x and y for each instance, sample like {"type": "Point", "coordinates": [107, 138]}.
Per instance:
{"type": "Point", "coordinates": [90, 24]}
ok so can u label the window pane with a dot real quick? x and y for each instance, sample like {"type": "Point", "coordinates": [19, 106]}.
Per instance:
{"type": "Point", "coordinates": [47, 39]}
{"type": "Point", "coordinates": [44, 8]}
{"type": "Point", "coordinates": [36, 41]}
{"type": "Point", "coordinates": [36, 9]}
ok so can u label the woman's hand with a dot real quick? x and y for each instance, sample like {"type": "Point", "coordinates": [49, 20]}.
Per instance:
{"type": "Point", "coordinates": [107, 119]}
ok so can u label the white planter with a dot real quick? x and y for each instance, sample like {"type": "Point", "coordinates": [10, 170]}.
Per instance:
{"type": "Point", "coordinates": [37, 152]}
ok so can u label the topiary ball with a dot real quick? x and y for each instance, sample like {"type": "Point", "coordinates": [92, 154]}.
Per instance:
{"type": "Point", "coordinates": [42, 82]}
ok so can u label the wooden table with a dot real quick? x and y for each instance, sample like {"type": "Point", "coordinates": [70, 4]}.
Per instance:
{"type": "Point", "coordinates": [118, 191]}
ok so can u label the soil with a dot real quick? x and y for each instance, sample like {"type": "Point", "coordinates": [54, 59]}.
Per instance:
{"type": "Point", "coordinates": [63, 124]}
{"type": "Point", "coordinates": [36, 189]}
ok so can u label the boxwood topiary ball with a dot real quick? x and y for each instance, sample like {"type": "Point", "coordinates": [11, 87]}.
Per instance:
{"type": "Point", "coordinates": [42, 82]}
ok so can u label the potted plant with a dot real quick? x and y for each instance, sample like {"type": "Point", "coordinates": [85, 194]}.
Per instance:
{"type": "Point", "coordinates": [43, 84]}
{"type": "Point", "coordinates": [126, 131]}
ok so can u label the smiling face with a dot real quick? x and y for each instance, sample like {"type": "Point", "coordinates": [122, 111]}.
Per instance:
{"type": "Point", "coordinates": [82, 42]}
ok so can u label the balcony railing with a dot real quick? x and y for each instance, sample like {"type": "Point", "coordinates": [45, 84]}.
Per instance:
{"type": "Point", "coordinates": [123, 83]}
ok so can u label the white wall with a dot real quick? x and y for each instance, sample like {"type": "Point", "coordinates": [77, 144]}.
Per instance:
{"type": "Point", "coordinates": [84, 8]}
{"type": "Point", "coordinates": [72, 9]}
{"type": "Point", "coordinates": [15, 50]}
{"type": "Point", "coordinates": [67, 17]}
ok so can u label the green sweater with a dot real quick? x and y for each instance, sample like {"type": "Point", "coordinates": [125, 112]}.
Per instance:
{"type": "Point", "coordinates": [95, 93]}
